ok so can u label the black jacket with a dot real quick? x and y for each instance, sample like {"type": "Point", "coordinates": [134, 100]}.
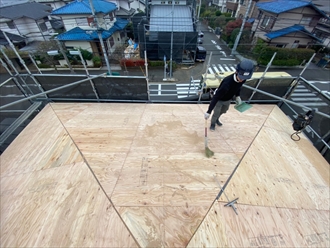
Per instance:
{"type": "Point", "coordinates": [227, 89]}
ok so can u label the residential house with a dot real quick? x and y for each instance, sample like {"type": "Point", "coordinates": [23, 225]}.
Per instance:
{"type": "Point", "coordinates": [220, 4]}
{"type": "Point", "coordinates": [29, 20]}
{"type": "Point", "coordinates": [126, 9]}
{"type": "Point", "coordinates": [322, 29]}
{"type": "Point", "coordinates": [287, 23]}
{"type": "Point", "coordinates": [83, 30]}
{"type": "Point", "coordinates": [168, 30]}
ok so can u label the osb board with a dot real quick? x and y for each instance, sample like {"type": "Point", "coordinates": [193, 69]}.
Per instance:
{"type": "Point", "coordinates": [257, 226]}
{"type": "Point", "coordinates": [277, 172]}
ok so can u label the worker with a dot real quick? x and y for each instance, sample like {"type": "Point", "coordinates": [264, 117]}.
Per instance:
{"type": "Point", "coordinates": [229, 87]}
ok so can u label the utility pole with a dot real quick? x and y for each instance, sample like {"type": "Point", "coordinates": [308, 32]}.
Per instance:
{"type": "Point", "coordinates": [171, 58]}
{"type": "Point", "coordinates": [233, 51]}
{"type": "Point", "coordinates": [100, 36]}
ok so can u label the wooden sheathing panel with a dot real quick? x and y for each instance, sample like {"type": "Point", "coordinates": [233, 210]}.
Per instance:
{"type": "Point", "coordinates": [66, 111]}
{"type": "Point", "coordinates": [275, 172]}
{"type": "Point", "coordinates": [257, 226]}
{"type": "Point", "coordinates": [238, 130]}
{"type": "Point", "coordinates": [158, 157]}
{"type": "Point", "coordinates": [100, 128]}
{"type": "Point", "coordinates": [49, 196]}
{"type": "Point", "coordinates": [49, 147]}
{"type": "Point", "coordinates": [150, 161]}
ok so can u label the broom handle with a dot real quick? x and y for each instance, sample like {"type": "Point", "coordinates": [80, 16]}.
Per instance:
{"type": "Point", "coordinates": [205, 133]}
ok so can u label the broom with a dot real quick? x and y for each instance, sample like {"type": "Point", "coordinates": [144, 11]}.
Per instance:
{"type": "Point", "coordinates": [208, 152]}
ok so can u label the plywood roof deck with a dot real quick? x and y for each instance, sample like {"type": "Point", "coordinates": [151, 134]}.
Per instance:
{"type": "Point", "coordinates": [136, 175]}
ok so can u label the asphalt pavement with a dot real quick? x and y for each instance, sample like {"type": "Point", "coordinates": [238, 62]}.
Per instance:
{"type": "Point", "coordinates": [183, 73]}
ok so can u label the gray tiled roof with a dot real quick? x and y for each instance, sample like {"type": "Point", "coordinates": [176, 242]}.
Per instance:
{"type": "Point", "coordinates": [31, 10]}
{"type": "Point", "coordinates": [161, 19]}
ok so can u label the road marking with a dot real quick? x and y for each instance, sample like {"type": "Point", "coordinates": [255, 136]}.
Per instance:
{"type": "Point", "coordinates": [221, 68]}
{"type": "Point", "coordinates": [227, 68]}
{"type": "Point", "coordinates": [215, 68]}
{"type": "Point", "coordinates": [159, 89]}
{"type": "Point", "coordinates": [226, 59]}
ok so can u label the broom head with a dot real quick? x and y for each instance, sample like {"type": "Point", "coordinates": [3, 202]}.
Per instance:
{"type": "Point", "coordinates": [208, 152]}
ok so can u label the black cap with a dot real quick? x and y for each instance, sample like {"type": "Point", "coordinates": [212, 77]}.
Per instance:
{"type": "Point", "coordinates": [245, 69]}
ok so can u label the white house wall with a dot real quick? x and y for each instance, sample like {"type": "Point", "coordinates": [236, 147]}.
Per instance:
{"type": "Point", "coordinates": [79, 44]}
{"type": "Point", "coordinates": [164, 2]}
{"type": "Point", "coordinates": [4, 27]}
{"type": "Point", "coordinates": [288, 41]}
{"type": "Point", "coordinates": [69, 21]}
{"type": "Point", "coordinates": [137, 5]}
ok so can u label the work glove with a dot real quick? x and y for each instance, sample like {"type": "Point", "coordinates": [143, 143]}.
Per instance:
{"type": "Point", "coordinates": [206, 116]}
{"type": "Point", "coordinates": [238, 100]}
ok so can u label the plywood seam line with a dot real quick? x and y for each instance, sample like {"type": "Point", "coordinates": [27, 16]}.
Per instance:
{"type": "Point", "coordinates": [231, 175]}
{"type": "Point", "coordinates": [98, 182]}
{"type": "Point", "coordinates": [230, 203]}
{"type": "Point", "coordinates": [137, 128]}
{"type": "Point", "coordinates": [223, 188]}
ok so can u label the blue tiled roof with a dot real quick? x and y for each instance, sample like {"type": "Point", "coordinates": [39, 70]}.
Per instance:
{"type": "Point", "coordinates": [281, 6]}
{"type": "Point", "coordinates": [78, 34]}
{"type": "Point", "coordinates": [288, 30]}
{"type": "Point", "coordinates": [83, 7]}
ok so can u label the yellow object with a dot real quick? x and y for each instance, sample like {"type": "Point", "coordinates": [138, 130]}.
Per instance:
{"type": "Point", "coordinates": [213, 80]}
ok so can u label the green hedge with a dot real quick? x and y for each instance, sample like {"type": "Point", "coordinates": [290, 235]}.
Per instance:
{"type": "Point", "coordinates": [284, 56]}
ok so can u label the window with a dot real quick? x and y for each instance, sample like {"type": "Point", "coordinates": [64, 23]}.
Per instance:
{"type": "Point", "coordinates": [11, 25]}
{"type": "Point", "coordinates": [305, 20]}
{"type": "Point", "coordinates": [267, 22]}
{"type": "Point", "coordinates": [295, 44]}
{"type": "Point", "coordinates": [43, 27]}
{"type": "Point", "coordinates": [280, 45]}
{"type": "Point", "coordinates": [111, 41]}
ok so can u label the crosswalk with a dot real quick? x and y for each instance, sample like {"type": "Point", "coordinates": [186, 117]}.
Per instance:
{"type": "Point", "coordinates": [221, 68]}
{"type": "Point", "coordinates": [306, 97]}
{"type": "Point", "coordinates": [187, 90]}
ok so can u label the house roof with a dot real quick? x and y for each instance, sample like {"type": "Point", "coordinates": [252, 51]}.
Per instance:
{"type": "Point", "coordinates": [13, 37]}
{"type": "Point", "coordinates": [288, 30]}
{"type": "Point", "coordinates": [281, 6]}
{"type": "Point", "coordinates": [11, 2]}
{"type": "Point", "coordinates": [30, 10]}
{"type": "Point", "coordinates": [83, 7]}
{"type": "Point", "coordinates": [78, 34]}
{"type": "Point", "coordinates": [161, 19]}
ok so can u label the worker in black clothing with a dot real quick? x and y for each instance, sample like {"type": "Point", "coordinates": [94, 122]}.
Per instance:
{"type": "Point", "coordinates": [229, 87]}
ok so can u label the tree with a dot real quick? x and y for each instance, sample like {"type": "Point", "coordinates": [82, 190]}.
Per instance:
{"type": "Point", "coordinates": [236, 24]}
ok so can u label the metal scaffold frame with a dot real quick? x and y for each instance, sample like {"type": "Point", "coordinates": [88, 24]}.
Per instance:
{"type": "Point", "coordinates": [43, 95]}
